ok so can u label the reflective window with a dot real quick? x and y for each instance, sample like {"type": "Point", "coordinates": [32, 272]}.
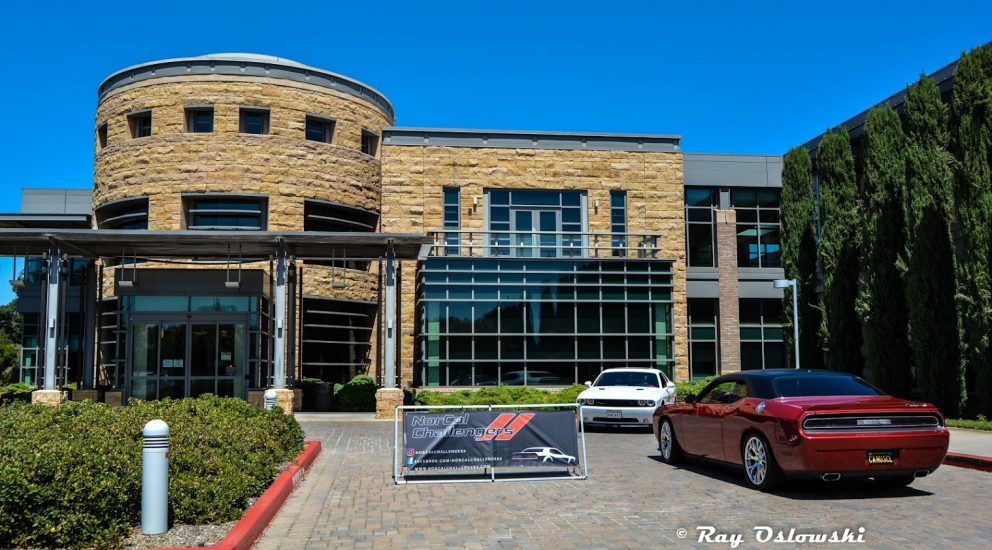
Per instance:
{"type": "Point", "coordinates": [531, 223]}
{"type": "Point", "coordinates": [225, 212]}
{"type": "Point", "coordinates": [452, 220]}
{"type": "Point", "coordinates": [758, 229]}
{"type": "Point", "coordinates": [370, 142]}
{"type": "Point", "coordinates": [319, 129]}
{"type": "Point", "coordinates": [253, 121]}
{"type": "Point", "coordinates": [703, 345]}
{"type": "Point", "coordinates": [762, 342]}
{"type": "Point", "coordinates": [124, 214]}
{"type": "Point", "coordinates": [140, 123]}
{"type": "Point", "coordinates": [541, 322]}
{"type": "Point", "coordinates": [199, 120]}
{"type": "Point", "coordinates": [618, 222]}
{"type": "Point", "coordinates": [700, 230]}
{"type": "Point", "coordinates": [724, 393]}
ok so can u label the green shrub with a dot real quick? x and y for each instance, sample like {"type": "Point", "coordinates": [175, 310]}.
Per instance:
{"type": "Point", "coordinates": [70, 476]}
{"type": "Point", "coordinates": [683, 389]}
{"type": "Point", "coordinates": [317, 394]}
{"type": "Point", "coordinates": [500, 395]}
{"type": "Point", "coordinates": [15, 392]}
{"type": "Point", "coordinates": [980, 423]}
{"type": "Point", "coordinates": [358, 395]}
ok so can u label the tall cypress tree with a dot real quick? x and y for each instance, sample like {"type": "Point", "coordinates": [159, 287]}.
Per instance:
{"type": "Point", "coordinates": [799, 253]}
{"type": "Point", "coordinates": [931, 265]}
{"type": "Point", "coordinates": [882, 303]}
{"type": "Point", "coordinates": [971, 145]}
{"type": "Point", "coordinates": [838, 252]}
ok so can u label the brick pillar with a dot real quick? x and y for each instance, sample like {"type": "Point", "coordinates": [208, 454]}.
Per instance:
{"type": "Point", "coordinates": [730, 331]}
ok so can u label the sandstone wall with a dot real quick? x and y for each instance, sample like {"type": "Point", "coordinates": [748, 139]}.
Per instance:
{"type": "Point", "coordinates": [413, 179]}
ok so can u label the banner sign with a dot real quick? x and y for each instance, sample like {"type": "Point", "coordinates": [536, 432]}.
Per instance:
{"type": "Point", "coordinates": [477, 439]}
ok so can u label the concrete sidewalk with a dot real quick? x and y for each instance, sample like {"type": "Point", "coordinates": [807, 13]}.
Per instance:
{"type": "Point", "coordinates": [971, 442]}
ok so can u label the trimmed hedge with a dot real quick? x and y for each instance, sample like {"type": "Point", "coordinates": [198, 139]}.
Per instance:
{"type": "Point", "coordinates": [358, 395]}
{"type": "Point", "coordinates": [15, 392]}
{"type": "Point", "coordinates": [500, 395]}
{"type": "Point", "coordinates": [70, 476]}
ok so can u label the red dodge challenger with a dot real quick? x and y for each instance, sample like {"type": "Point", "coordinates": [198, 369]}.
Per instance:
{"type": "Point", "coordinates": [794, 424]}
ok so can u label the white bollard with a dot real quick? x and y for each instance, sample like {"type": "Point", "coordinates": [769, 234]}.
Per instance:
{"type": "Point", "coordinates": [270, 399]}
{"type": "Point", "coordinates": [155, 479]}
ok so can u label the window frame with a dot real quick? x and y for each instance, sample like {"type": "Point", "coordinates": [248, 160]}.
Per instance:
{"type": "Point", "coordinates": [765, 321]}
{"type": "Point", "coordinates": [326, 123]}
{"type": "Point", "coordinates": [246, 110]}
{"type": "Point", "coordinates": [192, 111]}
{"type": "Point", "coordinates": [136, 123]}
{"type": "Point", "coordinates": [190, 211]}
{"type": "Point", "coordinates": [101, 135]}
{"type": "Point", "coordinates": [369, 142]}
{"type": "Point", "coordinates": [758, 226]}
{"type": "Point", "coordinates": [689, 224]}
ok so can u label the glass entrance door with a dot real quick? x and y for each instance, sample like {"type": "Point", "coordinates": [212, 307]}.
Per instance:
{"type": "Point", "coordinates": [537, 233]}
{"type": "Point", "coordinates": [186, 359]}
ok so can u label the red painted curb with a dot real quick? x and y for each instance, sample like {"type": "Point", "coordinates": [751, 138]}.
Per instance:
{"type": "Point", "coordinates": [257, 518]}
{"type": "Point", "coordinates": [974, 462]}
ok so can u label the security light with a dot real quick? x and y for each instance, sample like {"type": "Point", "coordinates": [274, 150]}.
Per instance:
{"type": "Point", "coordinates": [783, 283]}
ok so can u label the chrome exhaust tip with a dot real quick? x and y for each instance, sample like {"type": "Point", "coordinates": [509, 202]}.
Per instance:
{"type": "Point", "coordinates": [921, 473]}
{"type": "Point", "coordinates": [830, 477]}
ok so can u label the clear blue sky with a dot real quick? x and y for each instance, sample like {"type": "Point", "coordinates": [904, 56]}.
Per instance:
{"type": "Point", "coordinates": [744, 77]}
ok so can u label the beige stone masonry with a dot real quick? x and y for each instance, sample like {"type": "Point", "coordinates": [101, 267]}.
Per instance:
{"type": "Point", "coordinates": [49, 397]}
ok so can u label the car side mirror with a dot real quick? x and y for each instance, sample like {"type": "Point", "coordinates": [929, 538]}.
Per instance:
{"type": "Point", "coordinates": [588, 384]}
{"type": "Point", "coordinates": [691, 398]}
{"type": "Point", "coordinates": [670, 384]}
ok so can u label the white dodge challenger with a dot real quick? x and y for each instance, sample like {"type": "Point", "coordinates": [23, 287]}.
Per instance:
{"type": "Point", "coordinates": [625, 397]}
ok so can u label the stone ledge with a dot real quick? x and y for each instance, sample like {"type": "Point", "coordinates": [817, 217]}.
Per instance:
{"type": "Point", "coordinates": [49, 397]}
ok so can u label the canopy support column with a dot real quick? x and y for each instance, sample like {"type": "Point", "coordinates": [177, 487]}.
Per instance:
{"type": "Point", "coordinates": [279, 345]}
{"type": "Point", "coordinates": [389, 359]}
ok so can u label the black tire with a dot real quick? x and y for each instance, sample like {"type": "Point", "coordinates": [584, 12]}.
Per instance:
{"type": "Point", "coordinates": [761, 471]}
{"type": "Point", "coordinates": [894, 482]}
{"type": "Point", "coordinates": [670, 453]}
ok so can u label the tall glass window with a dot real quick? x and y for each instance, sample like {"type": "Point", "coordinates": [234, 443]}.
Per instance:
{"type": "Point", "coordinates": [541, 321]}
{"type": "Point", "coordinates": [536, 224]}
{"type": "Point", "coordinates": [618, 222]}
{"type": "Point", "coordinates": [700, 233]}
{"type": "Point", "coordinates": [704, 352]}
{"type": "Point", "coordinates": [759, 242]}
{"type": "Point", "coordinates": [762, 342]}
{"type": "Point", "coordinates": [452, 220]}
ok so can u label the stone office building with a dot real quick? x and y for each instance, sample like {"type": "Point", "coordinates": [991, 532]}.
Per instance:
{"type": "Point", "coordinates": [246, 210]}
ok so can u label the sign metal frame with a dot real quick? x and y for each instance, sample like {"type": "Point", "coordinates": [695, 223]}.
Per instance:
{"type": "Point", "coordinates": [489, 473]}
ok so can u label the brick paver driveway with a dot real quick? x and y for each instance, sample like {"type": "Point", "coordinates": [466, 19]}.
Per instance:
{"type": "Point", "coordinates": [631, 500]}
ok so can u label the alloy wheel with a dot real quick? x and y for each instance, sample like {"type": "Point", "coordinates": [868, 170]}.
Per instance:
{"type": "Point", "coordinates": [755, 460]}
{"type": "Point", "coordinates": [665, 440]}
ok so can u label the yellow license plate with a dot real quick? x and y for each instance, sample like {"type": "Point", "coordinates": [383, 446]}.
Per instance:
{"type": "Point", "coordinates": [885, 457]}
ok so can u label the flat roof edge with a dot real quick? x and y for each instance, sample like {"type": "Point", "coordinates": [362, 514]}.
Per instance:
{"type": "Point", "coordinates": [245, 65]}
{"type": "Point", "coordinates": [529, 139]}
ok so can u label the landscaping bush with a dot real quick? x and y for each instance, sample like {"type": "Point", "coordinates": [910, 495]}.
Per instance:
{"type": "Point", "coordinates": [683, 389]}
{"type": "Point", "coordinates": [317, 394]}
{"type": "Point", "coordinates": [15, 392]}
{"type": "Point", "coordinates": [70, 476]}
{"type": "Point", "coordinates": [980, 423]}
{"type": "Point", "coordinates": [358, 395]}
{"type": "Point", "coordinates": [500, 395]}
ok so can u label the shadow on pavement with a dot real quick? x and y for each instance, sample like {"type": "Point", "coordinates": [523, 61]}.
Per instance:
{"type": "Point", "coordinates": [851, 489]}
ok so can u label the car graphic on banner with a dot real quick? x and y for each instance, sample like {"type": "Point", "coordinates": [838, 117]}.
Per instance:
{"type": "Point", "coordinates": [544, 454]}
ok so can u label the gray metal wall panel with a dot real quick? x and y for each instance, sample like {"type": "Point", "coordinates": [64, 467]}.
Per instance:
{"type": "Point", "coordinates": [760, 289]}
{"type": "Point", "coordinates": [513, 139]}
{"type": "Point", "coordinates": [702, 289]}
{"type": "Point", "coordinates": [717, 170]}
{"type": "Point", "coordinates": [56, 201]}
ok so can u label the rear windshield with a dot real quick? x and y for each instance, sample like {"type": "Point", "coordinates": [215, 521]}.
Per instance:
{"type": "Point", "coordinates": [637, 379]}
{"type": "Point", "coordinates": [812, 386]}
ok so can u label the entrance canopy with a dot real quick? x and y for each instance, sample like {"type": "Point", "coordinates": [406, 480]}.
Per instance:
{"type": "Point", "coordinates": [107, 243]}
